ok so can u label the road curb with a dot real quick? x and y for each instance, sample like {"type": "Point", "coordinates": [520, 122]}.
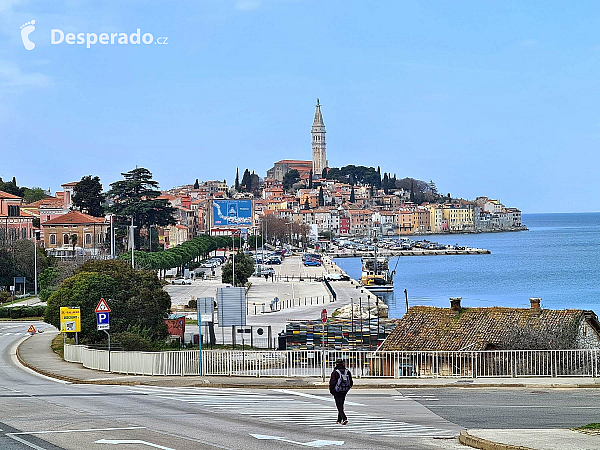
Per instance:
{"type": "Point", "coordinates": [476, 442]}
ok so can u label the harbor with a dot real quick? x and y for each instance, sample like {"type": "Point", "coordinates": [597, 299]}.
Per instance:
{"type": "Point", "coordinates": [412, 252]}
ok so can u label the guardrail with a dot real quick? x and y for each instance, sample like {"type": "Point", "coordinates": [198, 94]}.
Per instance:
{"type": "Point", "coordinates": [313, 363]}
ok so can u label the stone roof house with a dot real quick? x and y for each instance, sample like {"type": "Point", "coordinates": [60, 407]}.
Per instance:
{"type": "Point", "coordinates": [425, 328]}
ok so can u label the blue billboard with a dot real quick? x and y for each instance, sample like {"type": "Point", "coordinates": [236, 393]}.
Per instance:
{"type": "Point", "coordinates": [227, 213]}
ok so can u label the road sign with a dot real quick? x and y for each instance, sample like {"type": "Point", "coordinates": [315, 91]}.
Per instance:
{"type": "Point", "coordinates": [324, 316]}
{"type": "Point", "coordinates": [102, 306]}
{"type": "Point", "coordinates": [31, 329]}
{"type": "Point", "coordinates": [70, 319]}
{"type": "Point", "coordinates": [102, 321]}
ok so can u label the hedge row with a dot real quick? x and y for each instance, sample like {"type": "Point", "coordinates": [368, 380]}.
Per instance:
{"type": "Point", "coordinates": [19, 312]}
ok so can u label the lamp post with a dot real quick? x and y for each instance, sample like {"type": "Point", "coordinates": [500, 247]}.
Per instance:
{"type": "Point", "coordinates": [112, 237]}
{"type": "Point", "coordinates": [132, 238]}
{"type": "Point", "coordinates": [36, 234]}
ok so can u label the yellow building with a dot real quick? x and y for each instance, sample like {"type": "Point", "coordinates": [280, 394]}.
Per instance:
{"type": "Point", "coordinates": [458, 217]}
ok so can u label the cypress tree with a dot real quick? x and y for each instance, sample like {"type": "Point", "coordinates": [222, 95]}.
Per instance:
{"type": "Point", "coordinates": [196, 184]}
{"type": "Point", "coordinates": [352, 196]}
{"type": "Point", "coordinates": [321, 197]}
{"type": "Point", "coordinates": [237, 179]}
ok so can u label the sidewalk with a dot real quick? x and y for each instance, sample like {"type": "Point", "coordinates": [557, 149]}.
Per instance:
{"type": "Point", "coordinates": [35, 352]}
{"type": "Point", "coordinates": [523, 439]}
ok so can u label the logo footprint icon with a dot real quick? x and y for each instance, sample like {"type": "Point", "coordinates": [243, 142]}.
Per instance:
{"type": "Point", "coordinates": [26, 30]}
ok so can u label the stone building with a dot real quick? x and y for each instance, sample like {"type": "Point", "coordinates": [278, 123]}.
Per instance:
{"type": "Point", "coordinates": [318, 143]}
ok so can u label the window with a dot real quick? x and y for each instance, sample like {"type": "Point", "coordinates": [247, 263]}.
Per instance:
{"type": "Point", "coordinates": [23, 233]}
{"type": "Point", "coordinates": [88, 239]}
{"type": "Point", "coordinates": [65, 239]}
{"type": "Point", "coordinates": [52, 239]}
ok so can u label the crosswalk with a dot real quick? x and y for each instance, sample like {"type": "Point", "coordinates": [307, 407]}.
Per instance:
{"type": "Point", "coordinates": [11, 334]}
{"type": "Point", "coordinates": [283, 408]}
{"type": "Point", "coordinates": [416, 397]}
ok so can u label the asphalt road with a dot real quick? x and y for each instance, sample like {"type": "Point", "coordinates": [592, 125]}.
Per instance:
{"type": "Point", "coordinates": [511, 407]}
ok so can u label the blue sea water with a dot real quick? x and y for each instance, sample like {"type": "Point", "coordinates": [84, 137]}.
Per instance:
{"type": "Point", "coordinates": [558, 259]}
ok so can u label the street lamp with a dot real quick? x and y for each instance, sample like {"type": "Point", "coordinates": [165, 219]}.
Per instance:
{"type": "Point", "coordinates": [35, 284]}
{"type": "Point", "coordinates": [150, 235]}
{"type": "Point", "coordinates": [132, 238]}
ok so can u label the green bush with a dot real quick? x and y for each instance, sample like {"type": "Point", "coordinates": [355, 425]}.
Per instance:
{"type": "Point", "coordinates": [22, 312]}
{"type": "Point", "coordinates": [136, 298]}
{"type": "Point", "coordinates": [131, 341]}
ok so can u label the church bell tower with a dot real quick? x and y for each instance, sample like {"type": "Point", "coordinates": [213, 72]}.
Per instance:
{"type": "Point", "coordinates": [318, 143]}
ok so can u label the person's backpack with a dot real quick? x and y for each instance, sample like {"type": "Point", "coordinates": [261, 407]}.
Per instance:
{"type": "Point", "coordinates": [343, 382]}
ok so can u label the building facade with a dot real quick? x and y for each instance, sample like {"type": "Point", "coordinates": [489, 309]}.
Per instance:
{"type": "Point", "coordinates": [318, 143]}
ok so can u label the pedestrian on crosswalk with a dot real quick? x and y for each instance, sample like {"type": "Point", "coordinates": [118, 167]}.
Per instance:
{"type": "Point", "coordinates": [339, 385]}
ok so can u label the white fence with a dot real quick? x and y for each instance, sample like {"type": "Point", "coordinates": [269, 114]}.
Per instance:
{"type": "Point", "coordinates": [313, 363]}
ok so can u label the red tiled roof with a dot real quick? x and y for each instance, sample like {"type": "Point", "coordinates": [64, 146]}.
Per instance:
{"type": "Point", "coordinates": [7, 195]}
{"type": "Point", "coordinates": [74, 218]}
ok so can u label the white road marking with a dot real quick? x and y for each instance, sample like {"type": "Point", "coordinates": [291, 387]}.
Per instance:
{"type": "Point", "coordinates": [131, 441]}
{"type": "Point", "coordinates": [86, 430]}
{"type": "Point", "coordinates": [317, 443]}
{"type": "Point", "coordinates": [263, 406]}
{"type": "Point", "coordinates": [318, 397]}
{"type": "Point", "coordinates": [23, 441]}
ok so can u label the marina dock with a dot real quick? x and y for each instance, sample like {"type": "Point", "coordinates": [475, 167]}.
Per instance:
{"type": "Point", "coordinates": [412, 252]}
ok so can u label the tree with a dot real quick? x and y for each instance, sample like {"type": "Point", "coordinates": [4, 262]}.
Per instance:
{"type": "Point", "coordinates": [321, 197]}
{"type": "Point", "coordinates": [310, 179]}
{"type": "Point", "coordinates": [139, 304]}
{"type": "Point", "coordinates": [255, 241]}
{"type": "Point", "coordinates": [290, 178]}
{"type": "Point", "coordinates": [254, 182]}
{"type": "Point", "coordinates": [88, 196]}
{"type": "Point", "coordinates": [306, 204]}
{"type": "Point", "coordinates": [237, 179]}
{"type": "Point", "coordinates": [136, 196]}
{"type": "Point", "coordinates": [246, 181]}
{"type": "Point", "coordinates": [196, 184]}
{"type": "Point", "coordinates": [352, 196]}
{"type": "Point", "coordinates": [33, 194]}
{"type": "Point", "coordinates": [244, 268]}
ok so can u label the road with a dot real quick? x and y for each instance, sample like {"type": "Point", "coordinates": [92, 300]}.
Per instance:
{"type": "Point", "coordinates": [44, 414]}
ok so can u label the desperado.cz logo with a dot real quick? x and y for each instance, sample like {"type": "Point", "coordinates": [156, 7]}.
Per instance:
{"type": "Point", "coordinates": [58, 36]}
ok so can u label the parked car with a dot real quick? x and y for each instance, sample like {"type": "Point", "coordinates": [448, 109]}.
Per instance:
{"type": "Point", "coordinates": [337, 277]}
{"type": "Point", "coordinates": [312, 262]}
{"type": "Point", "coordinates": [275, 261]}
{"type": "Point", "coordinates": [262, 271]}
{"type": "Point", "coordinates": [181, 280]}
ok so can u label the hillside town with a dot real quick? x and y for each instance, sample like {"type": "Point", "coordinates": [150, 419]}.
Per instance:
{"type": "Point", "coordinates": [351, 201]}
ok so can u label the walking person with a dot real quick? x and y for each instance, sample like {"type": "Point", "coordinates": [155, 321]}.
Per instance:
{"type": "Point", "coordinates": [339, 385]}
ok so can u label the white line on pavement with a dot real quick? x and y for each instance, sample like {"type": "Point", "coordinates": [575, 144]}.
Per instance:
{"type": "Point", "coordinates": [87, 430]}
{"type": "Point", "coordinates": [23, 441]}
{"type": "Point", "coordinates": [318, 397]}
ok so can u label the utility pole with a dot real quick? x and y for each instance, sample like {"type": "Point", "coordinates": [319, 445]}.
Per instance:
{"type": "Point", "coordinates": [233, 269]}
{"type": "Point", "coordinates": [132, 238]}
{"type": "Point", "coordinates": [36, 236]}
{"type": "Point", "coordinates": [112, 237]}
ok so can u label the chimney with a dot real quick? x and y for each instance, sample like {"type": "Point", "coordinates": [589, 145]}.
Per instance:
{"type": "Point", "coordinates": [535, 306]}
{"type": "Point", "coordinates": [455, 303]}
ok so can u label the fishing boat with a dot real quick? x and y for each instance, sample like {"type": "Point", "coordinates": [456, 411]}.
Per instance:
{"type": "Point", "coordinates": [375, 275]}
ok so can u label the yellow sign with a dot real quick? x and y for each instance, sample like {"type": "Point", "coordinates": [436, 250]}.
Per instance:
{"type": "Point", "coordinates": [70, 319]}
{"type": "Point", "coordinates": [31, 329]}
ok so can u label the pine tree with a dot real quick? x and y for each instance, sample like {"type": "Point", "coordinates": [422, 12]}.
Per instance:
{"type": "Point", "coordinates": [196, 184]}
{"type": "Point", "coordinates": [88, 197]}
{"type": "Point", "coordinates": [321, 197]}
{"type": "Point", "coordinates": [352, 196]}
{"type": "Point", "coordinates": [237, 179]}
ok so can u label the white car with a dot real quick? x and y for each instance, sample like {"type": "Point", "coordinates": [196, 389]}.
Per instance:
{"type": "Point", "coordinates": [181, 280]}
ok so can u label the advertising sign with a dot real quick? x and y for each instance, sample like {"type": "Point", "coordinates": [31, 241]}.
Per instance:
{"type": "Point", "coordinates": [232, 213]}
{"type": "Point", "coordinates": [70, 319]}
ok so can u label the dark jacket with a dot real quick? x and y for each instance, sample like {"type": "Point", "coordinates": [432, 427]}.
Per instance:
{"type": "Point", "coordinates": [335, 376]}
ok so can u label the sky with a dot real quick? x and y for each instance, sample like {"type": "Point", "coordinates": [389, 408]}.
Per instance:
{"type": "Point", "coordinates": [500, 99]}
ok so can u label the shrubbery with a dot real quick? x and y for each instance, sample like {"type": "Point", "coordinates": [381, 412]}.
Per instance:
{"type": "Point", "coordinates": [139, 304]}
{"type": "Point", "coordinates": [19, 312]}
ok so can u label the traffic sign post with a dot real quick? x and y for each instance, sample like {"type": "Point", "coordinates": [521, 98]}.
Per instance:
{"type": "Point", "coordinates": [103, 322]}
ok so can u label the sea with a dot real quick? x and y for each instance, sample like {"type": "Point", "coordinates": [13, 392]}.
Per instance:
{"type": "Point", "coordinates": [558, 259]}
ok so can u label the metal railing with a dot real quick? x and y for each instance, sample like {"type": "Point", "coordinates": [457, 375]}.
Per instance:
{"type": "Point", "coordinates": [313, 363]}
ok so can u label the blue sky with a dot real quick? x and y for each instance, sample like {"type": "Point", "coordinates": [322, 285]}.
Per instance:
{"type": "Point", "coordinates": [485, 98]}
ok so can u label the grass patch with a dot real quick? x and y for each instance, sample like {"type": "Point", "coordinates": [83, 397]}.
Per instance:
{"type": "Point", "coordinates": [57, 345]}
{"type": "Point", "coordinates": [589, 426]}
{"type": "Point", "coordinates": [191, 322]}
